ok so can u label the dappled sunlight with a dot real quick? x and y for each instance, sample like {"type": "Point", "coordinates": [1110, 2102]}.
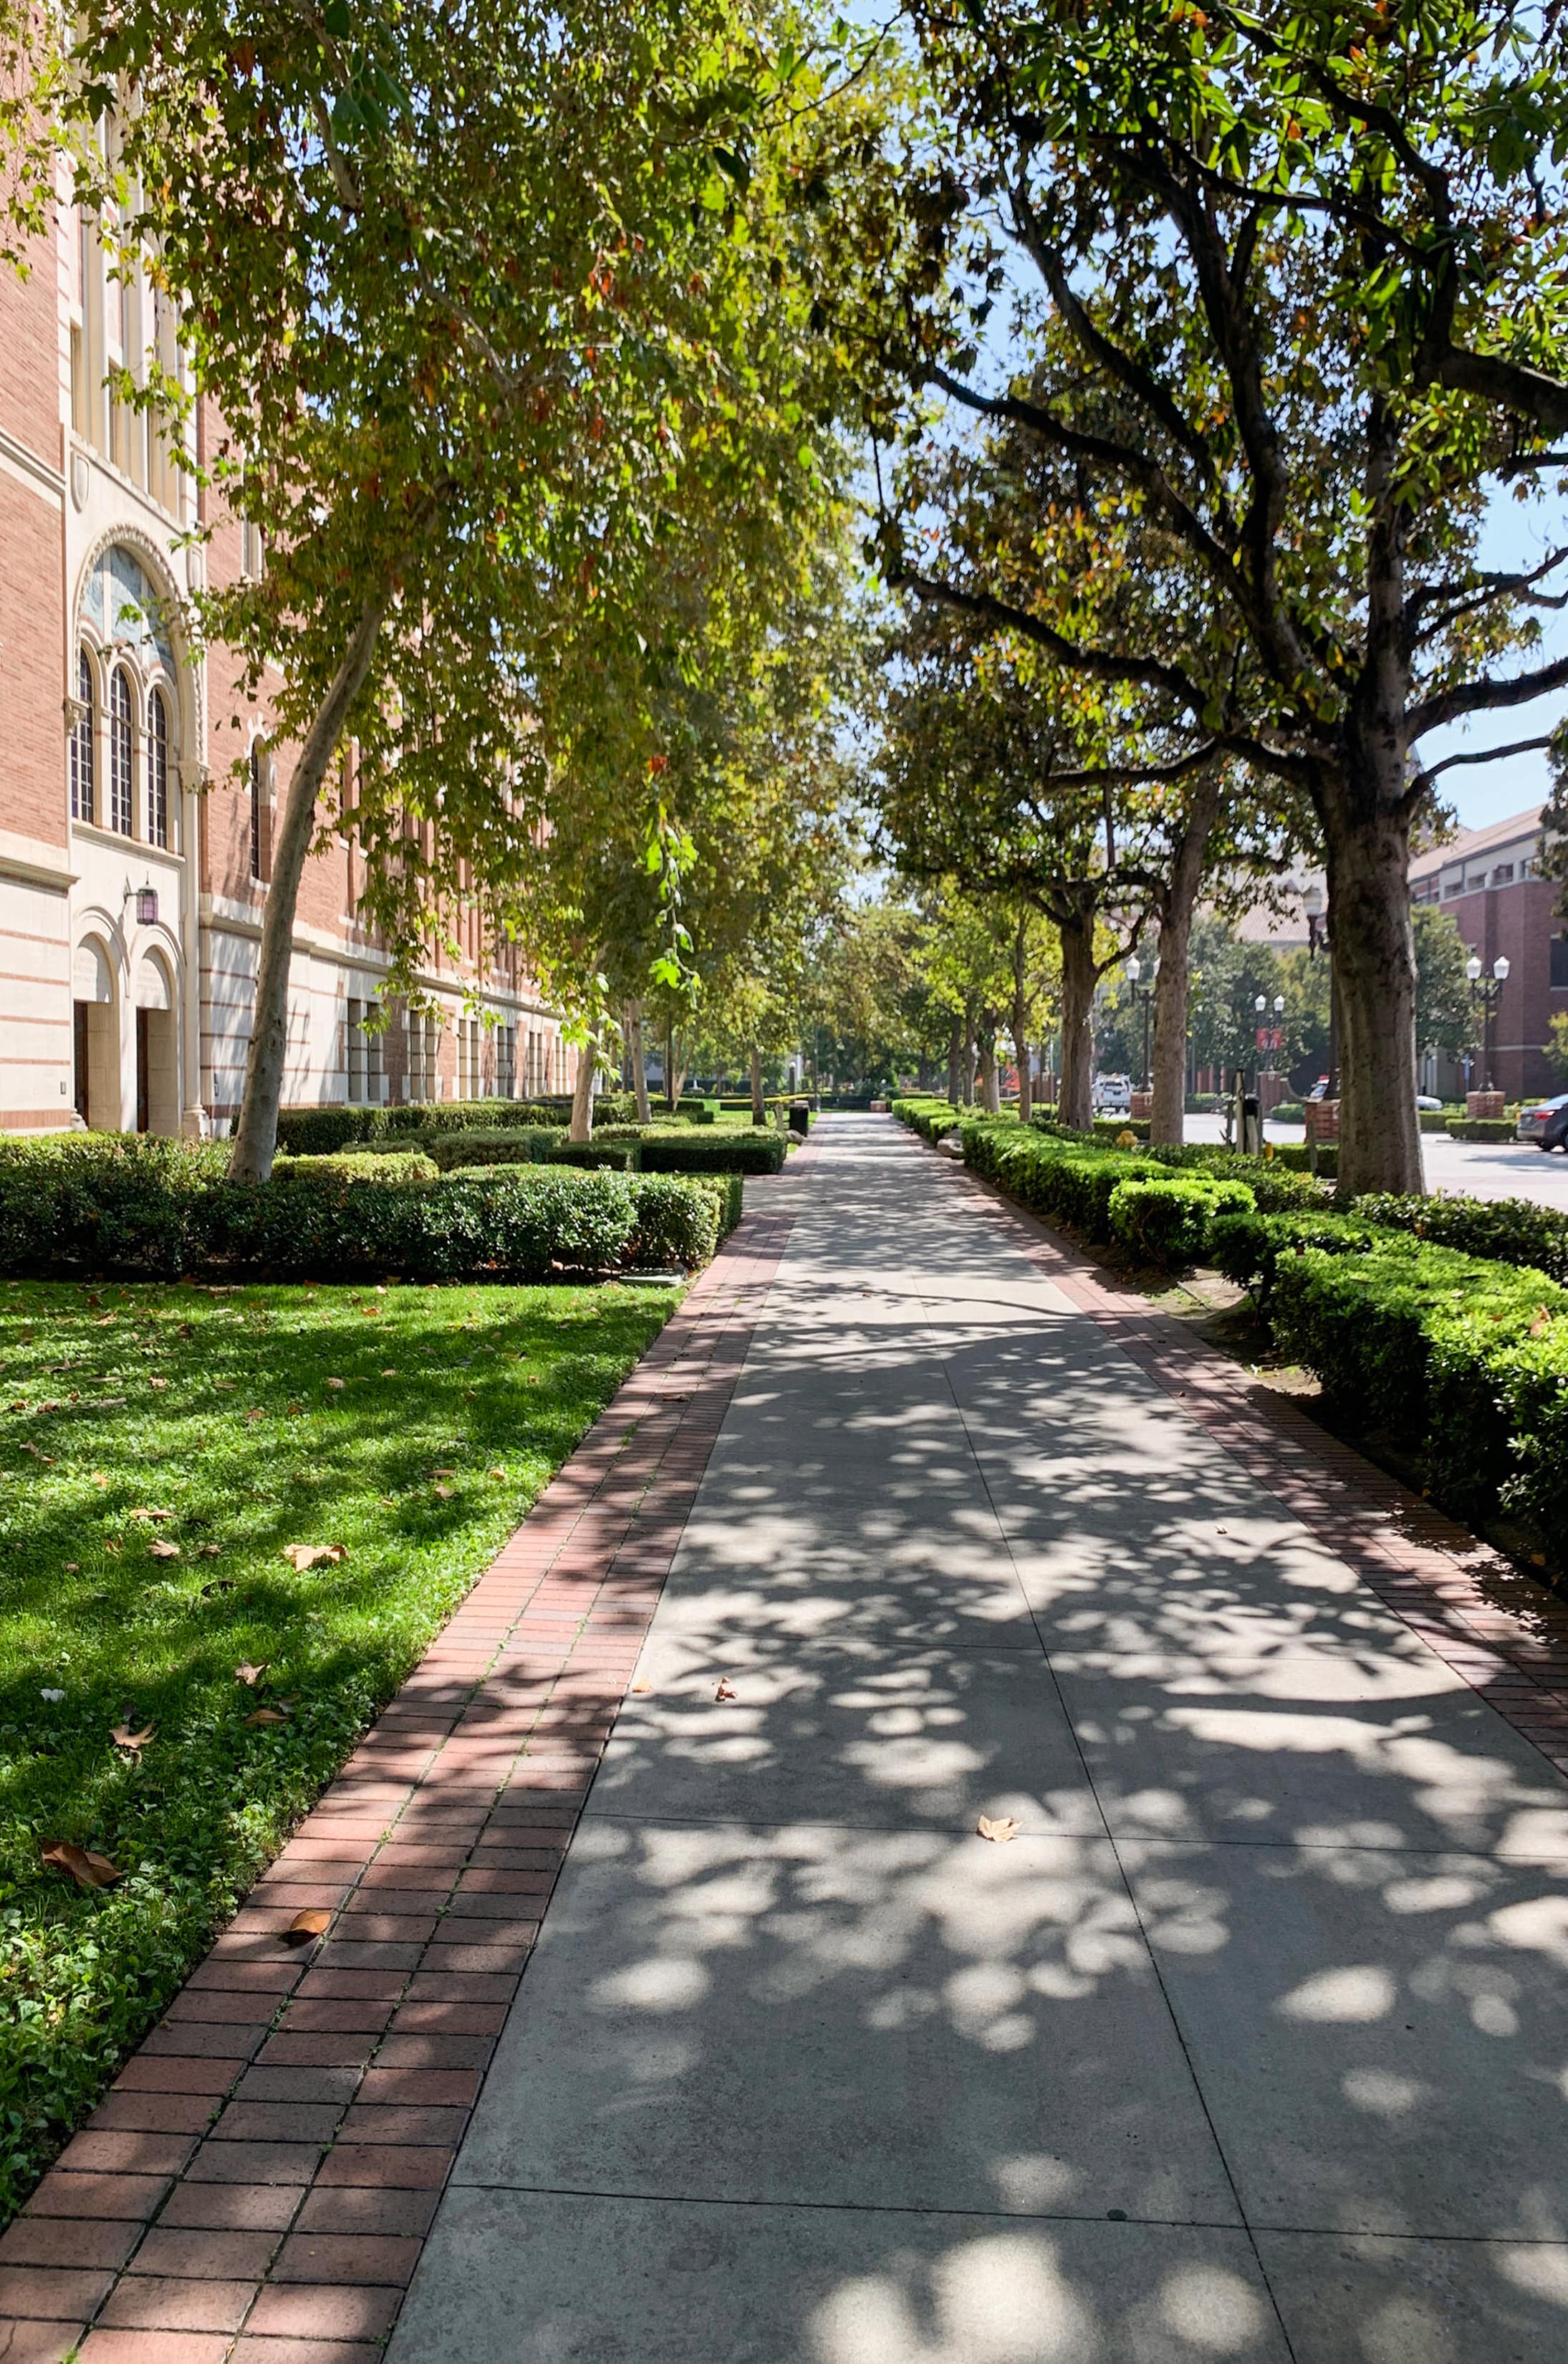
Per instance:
{"type": "Point", "coordinates": [1263, 1999]}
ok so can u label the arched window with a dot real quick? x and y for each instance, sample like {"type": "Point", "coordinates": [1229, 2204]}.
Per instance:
{"type": "Point", "coordinates": [121, 753]}
{"type": "Point", "coordinates": [82, 743]}
{"type": "Point", "coordinates": [157, 769]}
{"type": "Point", "coordinates": [257, 762]}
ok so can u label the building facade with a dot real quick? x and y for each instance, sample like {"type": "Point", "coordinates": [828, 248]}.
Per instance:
{"type": "Point", "coordinates": [137, 788]}
{"type": "Point", "coordinates": [1490, 880]}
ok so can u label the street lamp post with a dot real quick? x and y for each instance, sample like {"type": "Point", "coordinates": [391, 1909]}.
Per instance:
{"type": "Point", "coordinates": [1145, 994]}
{"type": "Point", "coordinates": [1317, 942]}
{"type": "Point", "coordinates": [1486, 992]}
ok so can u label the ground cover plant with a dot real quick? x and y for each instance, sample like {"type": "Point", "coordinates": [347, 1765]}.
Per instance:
{"type": "Point", "coordinates": [162, 1449]}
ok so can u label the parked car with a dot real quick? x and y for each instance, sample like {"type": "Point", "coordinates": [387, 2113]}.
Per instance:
{"type": "Point", "coordinates": [1545, 1122]}
{"type": "Point", "coordinates": [1113, 1095]}
{"type": "Point", "coordinates": [1425, 1100]}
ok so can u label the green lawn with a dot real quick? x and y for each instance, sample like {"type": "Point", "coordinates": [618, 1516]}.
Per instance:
{"type": "Point", "coordinates": [414, 1426]}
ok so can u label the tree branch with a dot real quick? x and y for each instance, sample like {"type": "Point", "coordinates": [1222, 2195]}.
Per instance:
{"type": "Point", "coordinates": [1486, 696]}
{"type": "Point", "coordinates": [1424, 779]}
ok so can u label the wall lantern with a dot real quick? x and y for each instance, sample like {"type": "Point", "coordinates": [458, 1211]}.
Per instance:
{"type": "Point", "coordinates": [147, 907]}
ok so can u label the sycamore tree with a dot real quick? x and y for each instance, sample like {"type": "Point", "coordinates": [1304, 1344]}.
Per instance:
{"type": "Point", "coordinates": [1276, 296]}
{"type": "Point", "coordinates": [995, 774]}
{"type": "Point", "coordinates": [475, 293]}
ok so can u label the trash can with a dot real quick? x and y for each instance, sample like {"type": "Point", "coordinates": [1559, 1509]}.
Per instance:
{"type": "Point", "coordinates": [800, 1117]}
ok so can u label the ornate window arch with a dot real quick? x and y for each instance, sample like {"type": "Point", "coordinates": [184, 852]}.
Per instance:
{"type": "Point", "coordinates": [84, 732]}
{"type": "Point", "coordinates": [121, 814]}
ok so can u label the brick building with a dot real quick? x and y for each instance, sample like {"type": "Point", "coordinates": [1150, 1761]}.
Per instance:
{"type": "Point", "coordinates": [1490, 879]}
{"type": "Point", "coordinates": [133, 858]}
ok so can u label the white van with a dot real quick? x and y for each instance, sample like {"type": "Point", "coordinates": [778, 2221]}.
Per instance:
{"type": "Point", "coordinates": [1112, 1095]}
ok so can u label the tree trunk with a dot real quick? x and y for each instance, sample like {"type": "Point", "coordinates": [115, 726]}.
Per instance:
{"type": "Point", "coordinates": [1074, 1100]}
{"type": "Point", "coordinates": [639, 1063]}
{"type": "Point", "coordinates": [1374, 971]}
{"type": "Point", "coordinates": [966, 1081]}
{"type": "Point", "coordinates": [955, 1063]}
{"type": "Point", "coordinates": [1021, 1022]}
{"type": "Point", "coordinates": [256, 1133]}
{"type": "Point", "coordinates": [675, 1077]}
{"type": "Point", "coordinates": [759, 1106]}
{"type": "Point", "coordinates": [1169, 1075]}
{"type": "Point", "coordinates": [990, 1080]}
{"type": "Point", "coordinates": [582, 1128]}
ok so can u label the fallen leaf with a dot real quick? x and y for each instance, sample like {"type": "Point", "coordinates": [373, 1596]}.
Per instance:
{"type": "Point", "coordinates": [152, 1514]}
{"type": "Point", "coordinates": [267, 1715]}
{"type": "Point", "coordinates": [1543, 1323]}
{"type": "Point", "coordinates": [185, 1329]}
{"type": "Point", "coordinates": [498, 1472]}
{"type": "Point", "coordinates": [88, 1870]}
{"type": "Point", "coordinates": [303, 1556]}
{"type": "Point", "coordinates": [337, 1383]}
{"type": "Point", "coordinates": [71, 1567]}
{"type": "Point", "coordinates": [444, 1473]}
{"type": "Point", "coordinates": [293, 1410]}
{"type": "Point", "coordinates": [725, 1690]}
{"type": "Point", "coordinates": [250, 1675]}
{"type": "Point", "coordinates": [161, 1550]}
{"type": "Point", "coordinates": [228, 1385]}
{"type": "Point", "coordinates": [306, 1926]}
{"type": "Point", "coordinates": [124, 1737]}
{"type": "Point", "coordinates": [370, 1312]}
{"type": "Point", "coordinates": [1005, 1827]}
{"type": "Point", "coordinates": [157, 1383]}
{"type": "Point", "coordinates": [93, 1297]}
{"type": "Point", "coordinates": [445, 1492]}
{"type": "Point", "coordinates": [389, 1374]}
{"type": "Point", "coordinates": [255, 1413]}
{"type": "Point", "coordinates": [208, 1550]}
{"type": "Point", "coordinates": [103, 1320]}
{"type": "Point", "coordinates": [99, 1478]}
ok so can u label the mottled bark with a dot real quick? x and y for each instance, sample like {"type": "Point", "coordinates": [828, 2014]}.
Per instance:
{"type": "Point", "coordinates": [759, 1106]}
{"type": "Point", "coordinates": [1020, 1024]}
{"type": "Point", "coordinates": [1075, 1104]}
{"type": "Point", "coordinates": [955, 1063]}
{"type": "Point", "coordinates": [1375, 972]}
{"type": "Point", "coordinates": [639, 1061]}
{"type": "Point", "coordinates": [256, 1133]}
{"type": "Point", "coordinates": [582, 1127]}
{"type": "Point", "coordinates": [990, 1078]}
{"type": "Point", "coordinates": [1169, 1073]}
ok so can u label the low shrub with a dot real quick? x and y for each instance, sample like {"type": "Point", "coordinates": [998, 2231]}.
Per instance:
{"type": "Point", "coordinates": [1288, 1112]}
{"type": "Point", "coordinates": [1167, 1221]}
{"type": "Point", "coordinates": [386, 1163]}
{"type": "Point", "coordinates": [159, 1209]}
{"type": "Point", "coordinates": [523, 1145]}
{"type": "Point", "coordinates": [1110, 1128]}
{"type": "Point", "coordinates": [747, 1151]}
{"type": "Point", "coordinates": [318, 1132]}
{"type": "Point", "coordinates": [928, 1116]}
{"type": "Point", "coordinates": [1436, 1120]}
{"type": "Point", "coordinates": [606, 1157]}
{"type": "Point", "coordinates": [1248, 1247]}
{"type": "Point", "coordinates": [1480, 1127]}
{"type": "Point", "coordinates": [1295, 1156]}
{"type": "Point", "coordinates": [1510, 1231]}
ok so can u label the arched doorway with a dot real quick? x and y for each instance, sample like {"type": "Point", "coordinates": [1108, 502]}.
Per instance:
{"type": "Point", "coordinates": [157, 1048]}
{"type": "Point", "coordinates": [95, 1037]}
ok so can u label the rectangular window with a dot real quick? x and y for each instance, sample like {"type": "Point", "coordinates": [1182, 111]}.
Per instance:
{"type": "Point", "coordinates": [1503, 874]}
{"type": "Point", "coordinates": [506, 1062]}
{"type": "Point", "coordinates": [1560, 962]}
{"type": "Point", "coordinates": [354, 1050]}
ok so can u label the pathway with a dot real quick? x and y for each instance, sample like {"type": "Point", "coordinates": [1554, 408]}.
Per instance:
{"type": "Point", "coordinates": [1251, 2043]}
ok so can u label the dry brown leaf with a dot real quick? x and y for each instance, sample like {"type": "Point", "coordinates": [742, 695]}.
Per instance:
{"type": "Point", "coordinates": [337, 1383]}
{"type": "Point", "coordinates": [87, 1870]}
{"type": "Point", "coordinates": [725, 1690]}
{"type": "Point", "coordinates": [389, 1374]}
{"type": "Point", "coordinates": [124, 1737]}
{"type": "Point", "coordinates": [305, 1927]}
{"type": "Point", "coordinates": [228, 1385]}
{"type": "Point", "coordinates": [255, 1413]}
{"type": "Point", "coordinates": [301, 1556]}
{"type": "Point", "coordinates": [250, 1675]}
{"type": "Point", "coordinates": [498, 1471]}
{"type": "Point", "coordinates": [1005, 1827]}
{"type": "Point", "coordinates": [268, 1715]}
{"type": "Point", "coordinates": [293, 1410]}
{"type": "Point", "coordinates": [445, 1492]}
{"type": "Point", "coordinates": [1543, 1323]}
{"type": "Point", "coordinates": [103, 1320]}
{"type": "Point", "coordinates": [444, 1473]}
{"type": "Point", "coordinates": [99, 1478]}
{"type": "Point", "coordinates": [159, 1549]}
{"type": "Point", "coordinates": [642, 1684]}
{"type": "Point", "coordinates": [152, 1514]}
{"type": "Point", "coordinates": [71, 1566]}
{"type": "Point", "coordinates": [208, 1550]}
{"type": "Point", "coordinates": [185, 1329]}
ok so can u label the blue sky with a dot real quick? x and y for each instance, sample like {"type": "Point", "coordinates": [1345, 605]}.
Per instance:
{"type": "Point", "coordinates": [1516, 536]}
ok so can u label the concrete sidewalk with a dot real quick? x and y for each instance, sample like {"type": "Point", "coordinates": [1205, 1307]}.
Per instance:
{"type": "Point", "coordinates": [1252, 2044]}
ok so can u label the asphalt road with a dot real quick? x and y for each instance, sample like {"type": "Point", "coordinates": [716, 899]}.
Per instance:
{"type": "Point", "coordinates": [1469, 1170]}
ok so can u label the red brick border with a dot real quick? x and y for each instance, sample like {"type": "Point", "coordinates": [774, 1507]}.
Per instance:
{"type": "Point", "coordinates": [259, 2181]}
{"type": "Point", "coordinates": [1506, 1635]}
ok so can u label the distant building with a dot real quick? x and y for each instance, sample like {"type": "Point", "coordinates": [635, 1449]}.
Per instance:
{"type": "Point", "coordinates": [1490, 879]}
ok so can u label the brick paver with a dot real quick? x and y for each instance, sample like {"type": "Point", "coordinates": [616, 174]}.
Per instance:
{"type": "Point", "coordinates": [256, 2187]}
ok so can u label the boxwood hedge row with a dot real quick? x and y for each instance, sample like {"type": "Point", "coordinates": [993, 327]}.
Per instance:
{"type": "Point", "coordinates": [140, 1207]}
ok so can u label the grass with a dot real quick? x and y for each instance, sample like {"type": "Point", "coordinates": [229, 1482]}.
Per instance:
{"type": "Point", "coordinates": [414, 1426]}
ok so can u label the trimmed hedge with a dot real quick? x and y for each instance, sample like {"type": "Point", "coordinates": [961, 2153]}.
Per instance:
{"type": "Point", "coordinates": [928, 1116]}
{"type": "Point", "coordinates": [1481, 1128]}
{"type": "Point", "coordinates": [127, 1204]}
{"type": "Point", "coordinates": [318, 1132]}
{"type": "Point", "coordinates": [1110, 1128]}
{"type": "Point", "coordinates": [1511, 1231]}
{"type": "Point", "coordinates": [1168, 1223]}
{"type": "Point", "coordinates": [753, 1150]}
{"type": "Point", "coordinates": [1295, 1156]}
